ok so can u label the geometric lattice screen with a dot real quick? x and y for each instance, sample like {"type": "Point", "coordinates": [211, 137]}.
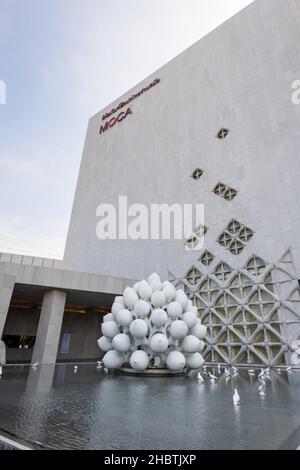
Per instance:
{"type": "Point", "coordinates": [252, 314]}
{"type": "Point", "coordinates": [235, 237]}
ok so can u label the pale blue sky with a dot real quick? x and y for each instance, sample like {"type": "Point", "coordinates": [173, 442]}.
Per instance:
{"type": "Point", "coordinates": [63, 61]}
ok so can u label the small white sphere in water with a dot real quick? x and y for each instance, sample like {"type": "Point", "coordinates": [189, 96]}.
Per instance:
{"type": "Point", "coordinates": [159, 343]}
{"type": "Point", "coordinates": [108, 317]}
{"type": "Point", "coordinates": [142, 308]}
{"type": "Point", "coordinates": [121, 343]}
{"type": "Point", "coordinates": [104, 344]}
{"type": "Point", "coordinates": [191, 344]}
{"type": "Point", "coordinates": [145, 290]}
{"type": "Point", "coordinates": [110, 329]}
{"type": "Point", "coordinates": [199, 330]}
{"type": "Point", "coordinates": [190, 319]}
{"type": "Point", "coordinates": [175, 361]}
{"type": "Point", "coordinates": [179, 329]}
{"type": "Point", "coordinates": [139, 329]}
{"type": "Point", "coordinates": [174, 310]}
{"type": "Point", "coordinates": [194, 361]}
{"type": "Point", "coordinates": [159, 317]}
{"type": "Point", "coordinates": [113, 359]}
{"type": "Point", "coordinates": [139, 360]}
{"type": "Point", "coordinates": [130, 297]}
{"type": "Point", "coordinates": [158, 299]}
{"type": "Point", "coordinates": [124, 317]}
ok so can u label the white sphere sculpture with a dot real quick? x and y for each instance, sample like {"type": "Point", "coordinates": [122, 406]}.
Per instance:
{"type": "Point", "coordinates": [124, 317]}
{"type": "Point", "coordinates": [104, 344]}
{"type": "Point", "coordinates": [175, 361]}
{"type": "Point", "coordinates": [121, 343]}
{"type": "Point", "coordinates": [142, 308]}
{"type": "Point", "coordinates": [110, 329]}
{"type": "Point", "coordinates": [138, 329]}
{"type": "Point", "coordinates": [199, 330]}
{"type": "Point", "coordinates": [159, 317]}
{"type": "Point", "coordinates": [108, 317]}
{"type": "Point", "coordinates": [139, 360]}
{"type": "Point", "coordinates": [113, 359]}
{"type": "Point", "coordinates": [174, 310]}
{"type": "Point", "coordinates": [190, 319]}
{"type": "Point", "coordinates": [130, 297]}
{"type": "Point", "coordinates": [194, 361]}
{"type": "Point", "coordinates": [191, 344]}
{"type": "Point", "coordinates": [179, 329]}
{"type": "Point", "coordinates": [152, 326]}
{"type": "Point", "coordinates": [159, 343]}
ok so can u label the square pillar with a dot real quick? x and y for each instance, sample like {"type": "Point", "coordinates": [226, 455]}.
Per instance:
{"type": "Point", "coordinates": [7, 283]}
{"type": "Point", "coordinates": [48, 334]}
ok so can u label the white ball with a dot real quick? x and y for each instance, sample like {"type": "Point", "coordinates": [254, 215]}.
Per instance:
{"type": "Point", "coordinates": [178, 329]}
{"type": "Point", "coordinates": [190, 319]}
{"type": "Point", "coordinates": [182, 299]}
{"type": "Point", "coordinates": [108, 317]}
{"type": "Point", "coordinates": [113, 359]}
{"type": "Point", "coordinates": [189, 306]}
{"type": "Point", "coordinates": [121, 343]}
{"type": "Point", "coordinates": [142, 308]}
{"type": "Point", "coordinates": [159, 343]}
{"type": "Point", "coordinates": [174, 310]}
{"type": "Point", "coordinates": [130, 297]}
{"type": "Point", "coordinates": [116, 307]}
{"type": "Point", "coordinates": [153, 277]}
{"type": "Point", "coordinates": [194, 361]}
{"type": "Point", "coordinates": [169, 292]}
{"type": "Point", "coordinates": [119, 299]}
{"type": "Point", "coordinates": [139, 329]}
{"type": "Point", "coordinates": [199, 330]}
{"type": "Point", "coordinates": [175, 361]}
{"type": "Point", "coordinates": [136, 287]}
{"type": "Point", "coordinates": [191, 344]}
{"type": "Point", "coordinates": [110, 329]}
{"type": "Point", "coordinates": [145, 290]}
{"type": "Point", "coordinates": [202, 345]}
{"type": "Point", "coordinates": [104, 344]}
{"type": "Point", "coordinates": [159, 318]}
{"type": "Point", "coordinates": [124, 317]}
{"type": "Point", "coordinates": [139, 360]}
{"type": "Point", "coordinates": [155, 285]}
{"type": "Point", "coordinates": [194, 310]}
{"type": "Point", "coordinates": [158, 299]}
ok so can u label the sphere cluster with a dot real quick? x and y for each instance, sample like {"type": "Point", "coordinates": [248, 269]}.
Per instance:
{"type": "Point", "coordinates": [152, 325]}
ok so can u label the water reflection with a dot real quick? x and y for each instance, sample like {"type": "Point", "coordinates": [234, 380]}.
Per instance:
{"type": "Point", "coordinates": [93, 410]}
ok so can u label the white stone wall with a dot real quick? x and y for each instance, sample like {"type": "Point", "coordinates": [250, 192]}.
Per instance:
{"type": "Point", "coordinates": [238, 77]}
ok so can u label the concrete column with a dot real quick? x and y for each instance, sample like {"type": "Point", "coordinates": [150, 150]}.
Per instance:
{"type": "Point", "coordinates": [47, 338]}
{"type": "Point", "coordinates": [7, 283]}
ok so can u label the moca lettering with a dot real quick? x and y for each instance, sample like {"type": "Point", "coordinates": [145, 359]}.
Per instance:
{"type": "Point", "coordinates": [113, 121]}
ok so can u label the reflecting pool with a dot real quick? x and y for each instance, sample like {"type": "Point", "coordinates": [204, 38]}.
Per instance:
{"type": "Point", "coordinates": [56, 408]}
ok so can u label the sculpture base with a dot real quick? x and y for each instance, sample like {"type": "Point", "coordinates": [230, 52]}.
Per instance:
{"type": "Point", "coordinates": [151, 372]}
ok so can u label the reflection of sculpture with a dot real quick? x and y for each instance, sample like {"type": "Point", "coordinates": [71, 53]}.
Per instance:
{"type": "Point", "coordinates": [153, 326]}
{"type": "Point", "coordinates": [296, 353]}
